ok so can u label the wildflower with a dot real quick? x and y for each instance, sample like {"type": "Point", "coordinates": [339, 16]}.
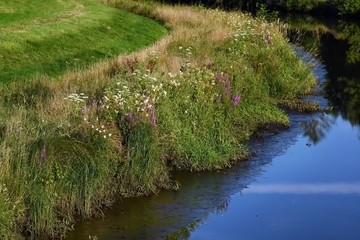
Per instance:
{"type": "Point", "coordinates": [43, 153]}
{"type": "Point", "coordinates": [83, 110]}
{"type": "Point", "coordinates": [267, 38]}
{"type": "Point", "coordinates": [153, 120]}
{"type": "Point", "coordinates": [236, 99]}
{"type": "Point", "coordinates": [82, 134]}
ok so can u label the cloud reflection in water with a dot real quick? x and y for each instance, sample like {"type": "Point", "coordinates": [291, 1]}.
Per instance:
{"type": "Point", "coordinates": [306, 188]}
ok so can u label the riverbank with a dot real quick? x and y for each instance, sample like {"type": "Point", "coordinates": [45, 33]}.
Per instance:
{"type": "Point", "coordinates": [119, 127]}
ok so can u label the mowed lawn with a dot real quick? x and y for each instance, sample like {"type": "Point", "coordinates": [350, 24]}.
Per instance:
{"type": "Point", "coordinates": [40, 37]}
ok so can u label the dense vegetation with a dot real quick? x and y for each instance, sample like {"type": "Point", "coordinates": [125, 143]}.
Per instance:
{"type": "Point", "coordinates": [344, 8]}
{"type": "Point", "coordinates": [70, 144]}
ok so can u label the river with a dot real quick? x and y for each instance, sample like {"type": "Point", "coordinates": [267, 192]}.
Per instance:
{"type": "Point", "coordinates": [302, 183]}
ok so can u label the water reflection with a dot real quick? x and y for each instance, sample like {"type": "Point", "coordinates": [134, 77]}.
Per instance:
{"type": "Point", "coordinates": [307, 188]}
{"type": "Point", "coordinates": [316, 128]}
{"type": "Point", "coordinates": [342, 62]}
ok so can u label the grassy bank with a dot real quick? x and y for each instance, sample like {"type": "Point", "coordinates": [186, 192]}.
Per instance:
{"type": "Point", "coordinates": [119, 127]}
{"type": "Point", "coordinates": [40, 38]}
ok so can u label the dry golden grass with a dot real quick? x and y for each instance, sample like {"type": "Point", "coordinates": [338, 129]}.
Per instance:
{"type": "Point", "coordinates": [196, 27]}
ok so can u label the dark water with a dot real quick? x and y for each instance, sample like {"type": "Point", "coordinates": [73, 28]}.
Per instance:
{"type": "Point", "coordinates": [303, 183]}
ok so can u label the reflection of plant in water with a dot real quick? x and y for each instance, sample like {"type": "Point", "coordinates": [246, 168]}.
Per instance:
{"type": "Point", "coordinates": [316, 128]}
{"type": "Point", "coordinates": [185, 232]}
{"type": "Point", "coordinates": [350, 99]}
{"type": "Point", "coordinates": [351, 32]}
{"type": "Point", "coordinates": [222, 207]}
{"type": "Point", "coordinates": [342, 85]}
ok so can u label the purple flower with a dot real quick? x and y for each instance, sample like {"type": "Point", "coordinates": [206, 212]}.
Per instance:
{"type": "Point", "coordinates": [83, 110]}
{"type": "Point", "coordinates": [153, 120]}
{"type": "Point", "coordinates": [267, 38]}
{"type": "Point", "coordinates": [43, 153]}
{"type": "Point", "coordinates": [236, 99]}
{"type": "Point", "coordinates": [82, 134]}
{"type": "Point", "coordinates": [130, 116]}
{"type": "Point", "coordinates": [151, 109]}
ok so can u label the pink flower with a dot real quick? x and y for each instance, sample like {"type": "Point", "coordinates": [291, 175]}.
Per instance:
{"type": "Point", "coordinates": [236, 99]}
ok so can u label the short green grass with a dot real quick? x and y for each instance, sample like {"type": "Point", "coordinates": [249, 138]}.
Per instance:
{"type": "Point", "coordinates": [38, 38]}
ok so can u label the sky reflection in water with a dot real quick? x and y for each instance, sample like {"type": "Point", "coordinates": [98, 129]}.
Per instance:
{"type": "Point", "coordinates": [306, 188]}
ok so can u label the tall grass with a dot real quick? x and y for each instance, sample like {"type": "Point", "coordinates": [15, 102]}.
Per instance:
{"type": "Point", "coordinates": [120, 127]}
